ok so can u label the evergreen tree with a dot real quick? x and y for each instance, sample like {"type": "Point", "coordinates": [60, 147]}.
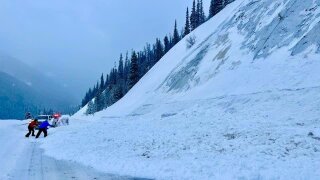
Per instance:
{"type": "Point", "coordinates": [85, 100]}
{"type": "Point", "coordinates": [166, 44]}
{"type": "Point", "coordinates": [90, 96]}
{"type": "Point", "coordinates": [117, 94]}
{"type": "Point", "coordinates": [126, 73]}
{"type": "Point", "coordinates": [171, 41]}
{"type": "Point", "coordinates": [102, 85]}
{"type": "Point", "coordinates": [226, 2]}
{"type": "Point", "coordinates": [187, 25]}
{"type": "Point", "coordinates": [202, 16]}
{"type": "Point", "coordinates": [120, 67]}
{"type": "Point", "coordinates": [158, 50]}
{"type": "Point", "coordinates": [134, 70]}
{"type": "Point", "coordinates": [91, 108]}
{"type": "Point", "coordinates": [149, 56]}
{"type": "Point", "coordinates": [113, 76]}
{"type": "Point", "coordinates": [107, 97]}
{"type": "Point", "coordinates": [181, 34]}
{"type": "Point", "coordinates": [193, 16]}
{"type": "Point", "coordinates": [99, 102]}
{"type": "Point", "coordinates": [107, 83]}
{"type": "Point", "coordinates": [212, 8]}
{"type": "Point", "coordinates": [144, 63]}
{"type": "Point", "coordinates": [95, 90]}
{"type": "Point", "coordinates": [198, 13]}
{"type": "Point", "coordinates": [176, 37]}
{"type": "Point", "coordinates": [218, 6]}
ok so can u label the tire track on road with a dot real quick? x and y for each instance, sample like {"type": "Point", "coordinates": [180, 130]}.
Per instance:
{"type": "Point", "coordinates": [23, 159]}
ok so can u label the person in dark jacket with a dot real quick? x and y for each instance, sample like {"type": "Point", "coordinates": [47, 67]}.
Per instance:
{"type": "Point", "coordinates": [43, 128]}
{"type": "Point", "coordinates": [33, 124]}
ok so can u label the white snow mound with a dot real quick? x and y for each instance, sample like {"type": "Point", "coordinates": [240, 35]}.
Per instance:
{"type": "Point", "coordinates": [242, 103]}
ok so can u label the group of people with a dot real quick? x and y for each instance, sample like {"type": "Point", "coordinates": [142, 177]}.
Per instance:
{"type": "Point", "coordinates": [43, 126]}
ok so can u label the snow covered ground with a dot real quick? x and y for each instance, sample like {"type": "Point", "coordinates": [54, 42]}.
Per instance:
{"type": "Point", "coordinates": [263, 135]}
{"type": "Point", "coordinates": [21, 158]}
{"type": "Point", "coordinates": [242, 103]}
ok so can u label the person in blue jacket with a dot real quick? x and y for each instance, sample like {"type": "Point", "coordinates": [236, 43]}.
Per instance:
{"type": "Point", "coordinates": [43, 128]}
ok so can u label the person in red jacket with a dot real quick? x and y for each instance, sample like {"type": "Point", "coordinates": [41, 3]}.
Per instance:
{"type": "Point", "coordinates": [32, 125]}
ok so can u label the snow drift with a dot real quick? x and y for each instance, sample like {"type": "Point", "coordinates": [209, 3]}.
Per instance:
{"type": "Point", "coordinates": [240, 103]}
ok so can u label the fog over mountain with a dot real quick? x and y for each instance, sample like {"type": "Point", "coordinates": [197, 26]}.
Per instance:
{"type": "Point", "coordinates": [74, 41]}
{"type": "Point", "coordinates": [24, 88]}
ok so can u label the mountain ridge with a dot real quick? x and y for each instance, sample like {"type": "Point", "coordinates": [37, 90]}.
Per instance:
{"type": "Point", "coordinates": [16, 98]}
{"type": "Point", "coordinates": [49, 94]}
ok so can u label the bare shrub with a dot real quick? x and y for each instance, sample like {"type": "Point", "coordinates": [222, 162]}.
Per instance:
{"type": "Point", "coordinates": [191, 40]}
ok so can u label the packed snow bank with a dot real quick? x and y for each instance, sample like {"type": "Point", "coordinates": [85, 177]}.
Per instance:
{"type": "Point", "coordinates": [266, 135]}
{"type": "Point", "coordinates": [13, 149]}
{"type": "Point", "coordinates": [241, 103]}
{"type": "Point", "coordinates": [21, 158]}
{"type": "Point", "coordinates": [10, 146]}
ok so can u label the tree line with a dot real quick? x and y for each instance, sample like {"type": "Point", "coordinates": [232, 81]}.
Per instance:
{"type": "Point", "coordinates": [131, 67]}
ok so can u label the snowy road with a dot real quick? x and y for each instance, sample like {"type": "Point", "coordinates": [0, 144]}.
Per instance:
{"type": "Point", "coordinates": [23, 159]}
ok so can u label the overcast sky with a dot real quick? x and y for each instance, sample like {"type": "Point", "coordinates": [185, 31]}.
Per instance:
{"type": "Point", "coordinates": [74, 41]}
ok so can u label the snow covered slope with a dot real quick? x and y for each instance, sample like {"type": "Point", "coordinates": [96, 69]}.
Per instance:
{"type": "Point", "coordinates": [251, 46]}
{"type": "Point", "coordinates": [243, 102]}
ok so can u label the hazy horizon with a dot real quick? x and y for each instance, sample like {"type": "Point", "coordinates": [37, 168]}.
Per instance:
{"type": "Point", "coordinates": [73, 42]}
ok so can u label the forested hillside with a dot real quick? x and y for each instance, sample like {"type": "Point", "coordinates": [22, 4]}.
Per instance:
{"type": "Point", "coordinates": [133, 66]}
{"type": "Point", "coordinates": [33, 88]}
{"type": "Point", "coordinates": [15, 98]}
